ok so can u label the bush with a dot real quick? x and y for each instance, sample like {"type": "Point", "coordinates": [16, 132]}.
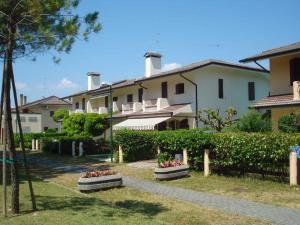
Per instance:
{"type": "Point", "coordinates": [253, 121]}
{"type": "Point", "coordinates": [60, 114]}
{"type": "Point", "coordinates": [90, 124]}
{"type": "Point", "coordinates": [137, 145]}
{"type": "Point", "coordinates": [289, 123]}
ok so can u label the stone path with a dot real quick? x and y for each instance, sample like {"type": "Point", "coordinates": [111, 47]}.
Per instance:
{"type": "Point", "coordinates": [265, 212]}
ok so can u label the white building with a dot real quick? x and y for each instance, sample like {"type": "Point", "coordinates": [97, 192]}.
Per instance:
{"type": "Point", "coordinates": [171, 99]}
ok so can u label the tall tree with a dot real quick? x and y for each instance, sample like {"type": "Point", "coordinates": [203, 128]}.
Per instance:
{"type": "Point", "coordinates": [27, 28]}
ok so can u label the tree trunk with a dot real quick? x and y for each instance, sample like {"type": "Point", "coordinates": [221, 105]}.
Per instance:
{"type": "Point", "coordinates": [9, 131]}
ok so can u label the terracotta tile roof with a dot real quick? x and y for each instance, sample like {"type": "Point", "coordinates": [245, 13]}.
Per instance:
{"type": "Point", "coordinates": [52, 100]}
{"type": "Point", "coordinates": [287, 49]}
{"type": "Point", "coordinates": [276, 101]}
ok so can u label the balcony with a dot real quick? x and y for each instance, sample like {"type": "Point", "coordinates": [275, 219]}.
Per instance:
{"type": "Point", "coordinates": [154, 105]}
{"type": "Point", "coordinates": [131, 107]}
{"type": "Point", "coordinates": [102, 110]}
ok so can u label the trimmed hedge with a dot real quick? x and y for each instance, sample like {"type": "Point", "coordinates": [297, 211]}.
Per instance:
{"type": "Point", "coordinates": [264, 153]}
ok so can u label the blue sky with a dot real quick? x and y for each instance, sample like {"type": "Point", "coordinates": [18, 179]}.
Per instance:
{"type": "Point", "coordinates": [183, 31]}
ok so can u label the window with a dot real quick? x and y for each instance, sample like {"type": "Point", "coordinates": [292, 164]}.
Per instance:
{"type": "Point", "coordinates": [184, 124]}
{"type": "Point", "coordinates": [51, 113]}
{"type": "Point", "coordinates": [77, 105]}
{"type": "Point", "coordinates": [115, 99]}
{"type": "Point", "coordinates": [106, 101]}
{"type": "Point", "coordinates": [164, 90]}
{"type": "Point", "coordinates": [83, 104]}
{"type": "Point", "coordinates": [129, 98]}
{"type": "Point", "coordinates": [179, 88]}
{"type": "Point", "coordinates": [294, 70]}
{"type": "Point", "coordinates": [23, 119]}
{"type": "Point", "coordinates": [251, 91]}
{"type": "Point", "coordinates": [141, 91]}
{"type": "Point", "coordinates": [221, 91]}
{"type": "Point", "coordinates": [32, 119]}
{"type": "Point", "coordinates": [46, 128]}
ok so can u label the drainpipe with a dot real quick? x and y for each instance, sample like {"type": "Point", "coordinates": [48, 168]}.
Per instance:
{"type": "Point", "coordinates": [110, 123]}
{"type": "Point", "coordinates": [196, 95]}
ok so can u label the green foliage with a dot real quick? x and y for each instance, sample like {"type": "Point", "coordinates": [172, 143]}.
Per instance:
{"type": "Point", "coordinates": [253, 121]}
{"type": "Point", "coordinates": [60, 114]}
{"type": "Point", "coordinates": [212, 118]}
{"type": "Point", "coordinates": [38, 26]}
{"type": "Point", "coordinates": [289, 123]}
{"type": "Point", "coordinates": [164, 157]}
{"type": "Point", "coordinates": [51, 131]}
{"type": "Point", "coordinates": [136, 145]}
{"type": "Point", "coordinates": [90, 124]}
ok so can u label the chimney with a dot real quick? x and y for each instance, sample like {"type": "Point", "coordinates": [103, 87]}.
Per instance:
{"type": "Point", "coordinates": [21, 100]}
{"type": "Point", "coordinates": [24, 100]}
{"type": "Point", "coordinates": [93, 80]}
{"type": "Point", "coordinates": [153, 63]}
{"type": "Point", "coordinates": [296, 90]}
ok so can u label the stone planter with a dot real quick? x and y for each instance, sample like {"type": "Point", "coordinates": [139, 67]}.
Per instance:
{"type": "Point", "coordinates": [98, 183]}
{"type": "Point", "coordinates": [171, 172]}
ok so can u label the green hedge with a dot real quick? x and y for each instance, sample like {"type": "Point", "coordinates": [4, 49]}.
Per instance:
{"type": "Point", "coordinates": [264, 153]}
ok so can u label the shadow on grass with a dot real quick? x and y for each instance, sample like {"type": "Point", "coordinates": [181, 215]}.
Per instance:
{"type": "Point", "coordinates": [122, 208]}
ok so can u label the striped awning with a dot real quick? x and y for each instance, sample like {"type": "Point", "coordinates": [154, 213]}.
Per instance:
{"type": "Point", "coordinates": [140, 124]}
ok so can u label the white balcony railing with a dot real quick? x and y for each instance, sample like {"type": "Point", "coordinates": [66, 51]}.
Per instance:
{"type": "Point", "coordinates": [131, 107]}
{"type": "Point", "coordinates": [102, 110]}
{"type": "Point", "coordinates": [153, 105]}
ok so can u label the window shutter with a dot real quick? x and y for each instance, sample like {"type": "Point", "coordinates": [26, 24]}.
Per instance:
{"type": "Point", "coordinates": [294, 70]}
{"type": "Point", "coordinates": [106, 101]}
{"type": "Point", "coordinates": [83, 104]}
{"type": "Point", "coordinates": [129, 98]}
{"type": "Point", "coordinates": [251, 91]}
{"type": "Point", "coordinates": [221, 91]}
{"type": "Point", "coordinates": [164, 90]}
{"type": "Point", "coordinates": [141, 91]}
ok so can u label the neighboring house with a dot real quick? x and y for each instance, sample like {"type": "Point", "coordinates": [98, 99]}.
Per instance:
{"type": "Point", "coordinates": [170, 99]}
{"type": "Point", "coordinates": [284, 97]}
{"type": "Point", "coordinates": [46, 108]}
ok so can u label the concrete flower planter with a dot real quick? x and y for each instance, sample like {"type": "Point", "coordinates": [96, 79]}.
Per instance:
{"type": "Point", "coordinates": [171, 172]}
{"type": "Point", "coordinates": [98, 183]}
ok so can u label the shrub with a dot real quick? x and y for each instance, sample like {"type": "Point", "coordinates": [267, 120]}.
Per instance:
{"type": "Point", "coordinates": [60, 114]}
{"type": "Point", "coordinates": [164, 157]}
{"type": "Point", "coordinates": [90, 124]}
{"type": "Point", "coordinates": [289, 123]}
{"type": "Point", "coordinates": [253, 121]}
{"type": "Point", "coordinates": [137, 145]}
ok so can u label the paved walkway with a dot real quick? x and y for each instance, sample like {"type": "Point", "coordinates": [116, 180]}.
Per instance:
{"type": "Point", "coordinates": [265, 212]}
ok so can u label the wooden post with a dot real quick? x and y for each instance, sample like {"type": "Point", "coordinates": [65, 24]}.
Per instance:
{"type": "Point", "coordinates": [158, 150]}
{"type": "Point", "coordinates": [185, 157]}
{"type": "Point", "coordinates": [120, 154]}
{"type": "Point", "coordinates": [37, 147]}
{"type": "Point", "coordinates": [32, 144]}
{"type": "Point", "coordinates": [206, 162]}
{"type": "Point", "coordinates": [293, 169]}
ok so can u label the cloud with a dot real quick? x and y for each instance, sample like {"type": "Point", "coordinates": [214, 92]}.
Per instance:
{"type": "Point", "coordinates": [21, 86]}
{"type": "Point", "coordinates": [170, 66]}
{"type": "Point", "coordinates": [66, 83]}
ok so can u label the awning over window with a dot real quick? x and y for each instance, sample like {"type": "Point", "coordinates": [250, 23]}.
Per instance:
{"type": "Point", "coordinates": [140, 124]}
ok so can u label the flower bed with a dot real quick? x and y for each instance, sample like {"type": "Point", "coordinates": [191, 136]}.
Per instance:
{"type": "Point", "coordinates": [171, 170]}
{"type": "Point", "coordinates": [98, 180]}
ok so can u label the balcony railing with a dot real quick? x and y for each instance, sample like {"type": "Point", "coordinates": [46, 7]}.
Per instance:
{"type": "Point", "coordinates": [131, 107]}
{"type": "Point", "coordinates": [153, 105]}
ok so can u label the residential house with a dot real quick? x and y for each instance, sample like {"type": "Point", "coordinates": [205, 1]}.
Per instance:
{"type": "Point", "coordinates": [284, 96]}
{"type": "Point", "coordinates": [46, 108]}
{"type": "Point", "coordinates": [171, 99]}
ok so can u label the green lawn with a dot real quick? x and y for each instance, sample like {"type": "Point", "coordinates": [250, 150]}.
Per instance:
{"type": "Point", "coordinates": [59, 203]}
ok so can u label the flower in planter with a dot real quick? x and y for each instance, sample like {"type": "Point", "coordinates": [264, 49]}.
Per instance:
{"type": "Point", "coordinates": [167, 164]}
{"type": "Point", "coordinates": [99, 173]}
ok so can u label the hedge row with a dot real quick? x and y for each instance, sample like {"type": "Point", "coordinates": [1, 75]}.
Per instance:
{"type": "Point", "coordinates": [243, 152]}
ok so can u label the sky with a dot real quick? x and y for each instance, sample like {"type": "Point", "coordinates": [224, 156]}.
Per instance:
{"type": "Point", "coordinates": [184, 32]}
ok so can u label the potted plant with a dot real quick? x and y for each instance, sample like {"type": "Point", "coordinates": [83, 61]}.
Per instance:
{"type": "Point", "coordinates": [100, 179]}
{"type": "Point", "coordinates": [169, 168]}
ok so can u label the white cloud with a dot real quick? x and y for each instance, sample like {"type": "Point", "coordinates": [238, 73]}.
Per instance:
{"type": "Point", "coordinates": [170, 66]}
{"type": "Point", "coordinates": [21, 86]}
{"type": "Point", "coordinates": [66, 83]}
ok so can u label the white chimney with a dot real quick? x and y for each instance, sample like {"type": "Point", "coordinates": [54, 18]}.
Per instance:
{"type": "Point", "coordinates": [93, 80]}
{"type": "Point", "coordinates": [21, 100]}
{"type": "Point", "coordinates": [153, 63]}
{"type": "Point", "coordinates": [24, 100]}
{"type": "Point", "coordinates": [296, 90]}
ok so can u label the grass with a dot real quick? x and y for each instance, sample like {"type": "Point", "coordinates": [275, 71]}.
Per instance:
{"type": "Point", "coordinates": [59, 203]}
{"type": "Point", "coordinates": [249, 188]}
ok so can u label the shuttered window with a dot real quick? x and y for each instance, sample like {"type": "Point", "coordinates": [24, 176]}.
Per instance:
{"type": "Point", "coordinates": [115, 99]}
{"type": "Point", "coordinates": [83, 104]}
{"type": "Point", "coordinates": [129, 98]}
{"type": "Point", "coordinates": [141, 91]}
{"type": "Point", "coordinates": [164, 90]}
{"type": "Point", "coordinates": [294, 70]}
{"type": "Point", "coordinates": [251, 91]}
{"type": "Point", "coordinates": [179, 88]}
{"type": "Point", "coordinates": [106, 101]}
{"type": "Point", "coordinates": [221, 91]}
